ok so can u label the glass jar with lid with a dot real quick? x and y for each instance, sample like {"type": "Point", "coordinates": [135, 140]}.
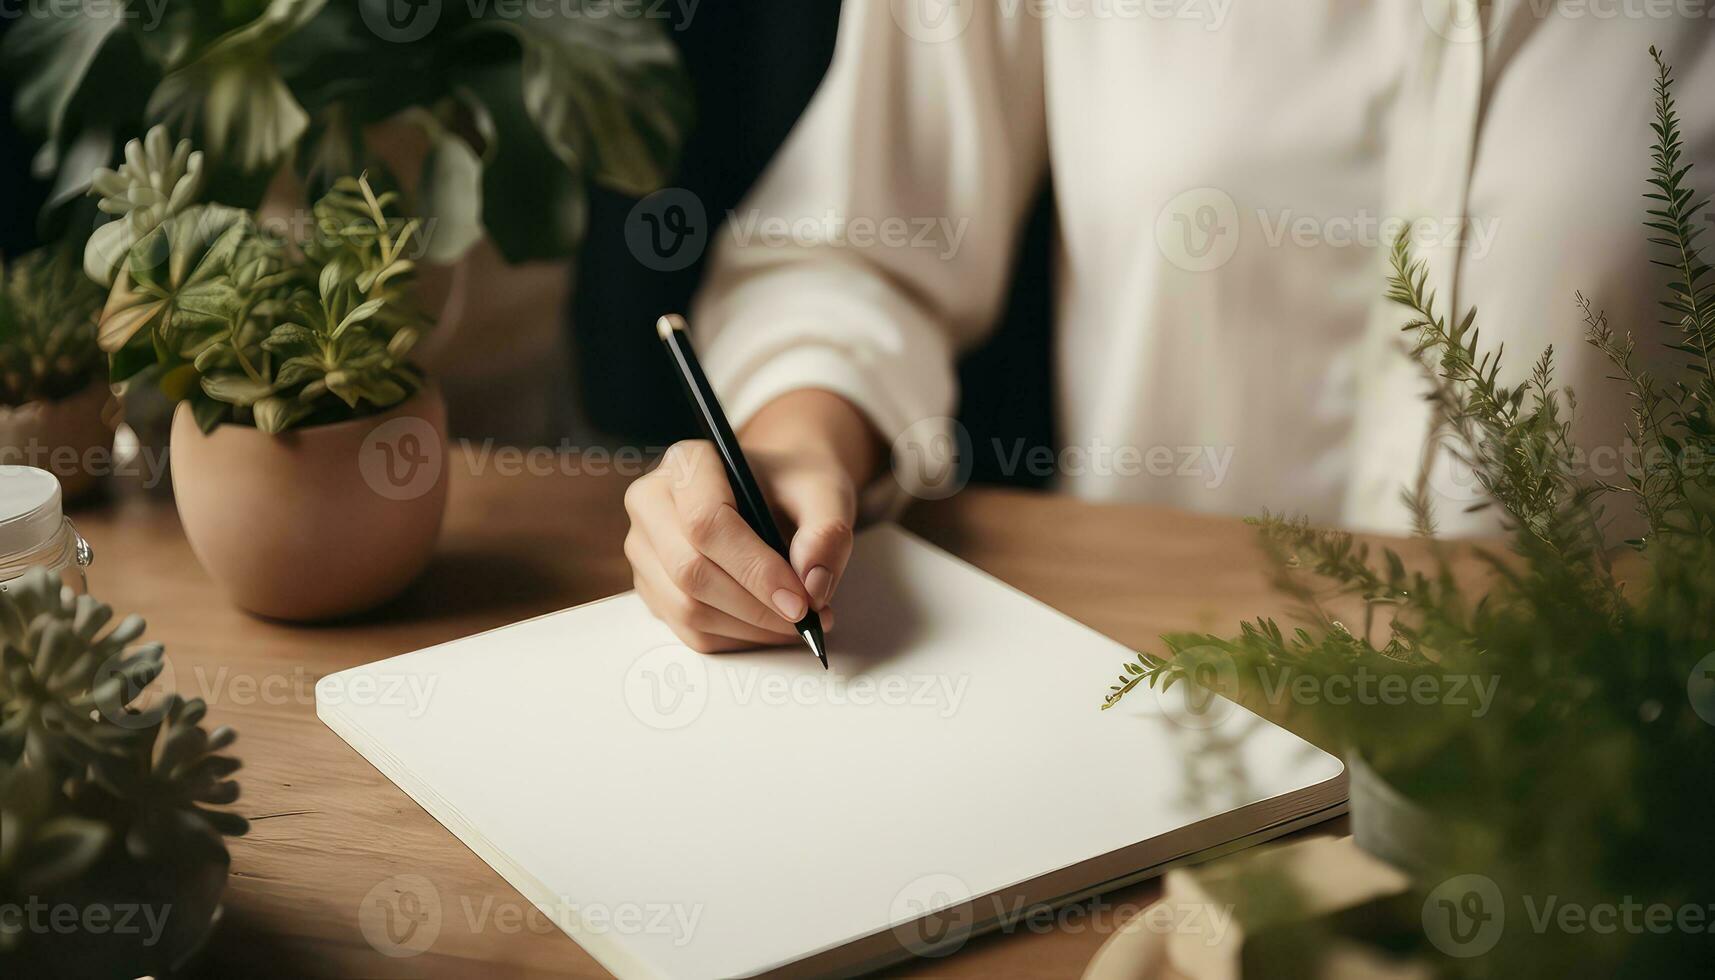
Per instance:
{"type": "Point", "coordinates": [34, 530]}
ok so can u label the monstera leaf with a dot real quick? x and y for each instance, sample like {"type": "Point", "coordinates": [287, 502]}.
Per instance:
{"type": "Point", "coordinates": [175, 280]}
{"type": "Point", "coordinates": [606, 90]}
{"type": "Point", "coordinates": [550, 221]}
{"type": "Point", "coordinates": [246, 113]}
{"type": "Point", "coordinates": [53, 55]}
{"type": "Point", "coordinates": [449, 194]}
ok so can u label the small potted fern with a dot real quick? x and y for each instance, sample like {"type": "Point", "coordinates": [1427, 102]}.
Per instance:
{"type": "Point", "coordinates": [307, 447]}
{"type": "Point", "coordinates": [113, 857]}
{"type": "Point", "coordinates": [1582, 782]}
{"type": "Point", "coordinates": [56, 410]}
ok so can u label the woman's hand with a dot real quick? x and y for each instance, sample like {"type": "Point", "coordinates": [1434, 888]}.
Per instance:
{"type": "Point", "coordinates": [699, 566]}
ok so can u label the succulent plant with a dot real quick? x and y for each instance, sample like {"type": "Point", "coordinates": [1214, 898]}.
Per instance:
{"type": "Point", "coordinates": [256, 330]}
{"type": "Point", "coordinates": [47, 328]}
{"type": "Point", "coordinates": [156, 181]}
{"type": "Point", "coordinates": [101, 800]}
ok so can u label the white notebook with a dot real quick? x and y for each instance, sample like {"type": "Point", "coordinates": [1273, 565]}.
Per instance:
{"type": "Point", "coordinates": [686, 816]}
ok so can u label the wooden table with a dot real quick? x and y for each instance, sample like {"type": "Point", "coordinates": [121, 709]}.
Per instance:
{"type": "Point", "coordinates": [328, 828]}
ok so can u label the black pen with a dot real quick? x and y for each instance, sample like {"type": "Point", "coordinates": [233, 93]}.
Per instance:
{"type": "Point", "coordinates": [751, 504]}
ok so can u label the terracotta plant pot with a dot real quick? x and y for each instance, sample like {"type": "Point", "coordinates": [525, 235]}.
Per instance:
{"type": "Point", "coordinates": [71, 438]}
{"type": "Point", "coordinates": [314, 523]}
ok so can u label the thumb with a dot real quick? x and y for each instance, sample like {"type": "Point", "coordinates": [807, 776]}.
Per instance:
{"type": "Point", "coordinates": [822, 507]}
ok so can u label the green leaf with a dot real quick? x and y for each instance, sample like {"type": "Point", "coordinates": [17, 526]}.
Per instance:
{"type": "Point", "coordinates": [548, 222]}
{"type": "Point", "coordinates": [286, 337]}
{"type": "Point", "coordinates": [605, 88]}
{"type": "Point", "coordinates": [297, 371]}
{"type": "Point", "coordinates": [449, 193]}
{"type": "Point", "coordinates": [208, 413]}
{"type": "Point", "coordinates": [360, 313]}
{"type": "Point", "coordinates": [234, 97]}
{"type": "Point", "coordinates": [53, 55]}
{"type": "Point", "coordinates": [236, 389]}
{"type": "Point", "coordinates": [275, 414]}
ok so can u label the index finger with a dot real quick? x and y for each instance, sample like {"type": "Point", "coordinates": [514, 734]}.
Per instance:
{"type": "Point", "coordinates": [709, 515]}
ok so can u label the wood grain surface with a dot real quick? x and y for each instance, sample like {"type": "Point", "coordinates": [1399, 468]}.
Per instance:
{"type": "Point", "coordinates": [329, 830]}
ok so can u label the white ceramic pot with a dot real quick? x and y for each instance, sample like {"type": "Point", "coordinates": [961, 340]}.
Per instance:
{"type": "Point", "coordinates": [315, 523]}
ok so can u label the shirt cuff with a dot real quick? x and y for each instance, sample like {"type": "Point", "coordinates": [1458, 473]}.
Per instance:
{"type": "Point", "coordinates": [923, 459]}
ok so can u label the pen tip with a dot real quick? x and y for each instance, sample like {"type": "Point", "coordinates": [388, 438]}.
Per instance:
{"type": "Point", "coordinates": [669, 323]}
{"type": "Point", "coordinates": [813, 639]}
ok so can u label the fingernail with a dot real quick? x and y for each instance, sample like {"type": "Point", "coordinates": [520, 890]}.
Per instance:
{"type": "Point", "coordinates": [790, 604]}
{"type": "Point", "coordinates": [819, 581]}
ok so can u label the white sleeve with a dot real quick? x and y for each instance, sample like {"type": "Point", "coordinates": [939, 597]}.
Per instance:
{"type": "Point", "coordinates": [880, 240]}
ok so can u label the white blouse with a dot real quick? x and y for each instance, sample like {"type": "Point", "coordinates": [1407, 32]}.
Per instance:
{"type": "Point", "coordinates": [1226, 178]}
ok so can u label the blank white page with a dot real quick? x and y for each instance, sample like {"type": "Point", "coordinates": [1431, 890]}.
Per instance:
{"type": "Point", "coordinates": [743, 811]}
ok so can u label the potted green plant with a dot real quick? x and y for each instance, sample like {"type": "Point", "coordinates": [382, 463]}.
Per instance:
{"type": "Point", "coordinates": [112, 862]}
{"type": "Point", "coordinates": [1580, 782]}
{"type": "Point", "coordinates": [306, 446]}
{"type": "Point", "coordinates": [494, 118]}
{"type": "Point", "coordinates": [56, 409]}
